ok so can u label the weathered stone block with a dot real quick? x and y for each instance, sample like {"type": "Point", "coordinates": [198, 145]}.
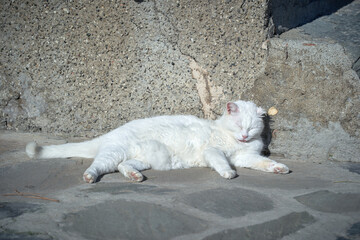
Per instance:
{"type": "Point", "coordinates": [317, 95]}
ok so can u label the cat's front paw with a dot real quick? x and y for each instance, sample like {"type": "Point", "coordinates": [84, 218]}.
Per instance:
{"type": "Point", "coordinates": [89, 178]}
{"type": "Point", "coordinates": [228, 174]}
{"type": "Point", "coordinates": [279, 168]}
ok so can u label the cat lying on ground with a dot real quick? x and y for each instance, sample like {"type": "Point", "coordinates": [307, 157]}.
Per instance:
{"type": "Point", "coordinates": [174, 142]}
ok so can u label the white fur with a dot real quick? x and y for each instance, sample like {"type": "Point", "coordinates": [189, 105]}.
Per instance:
{"type": "Point", "coordinates": [173, 142]}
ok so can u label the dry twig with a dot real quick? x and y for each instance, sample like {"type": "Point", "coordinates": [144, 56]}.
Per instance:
{"type": "Point", "coordinates": [30, 195]}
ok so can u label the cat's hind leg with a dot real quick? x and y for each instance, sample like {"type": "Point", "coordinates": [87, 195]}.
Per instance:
{"type": "Point", "coordinates": [131, 169]}
{"type": "Point", "coordinates": [106, 161]}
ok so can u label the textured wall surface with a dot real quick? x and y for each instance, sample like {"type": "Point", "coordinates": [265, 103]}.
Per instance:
{"type": "Point", "coordinates": [85, 67]}
{"type": "Point", "coordinates": [82, 68]}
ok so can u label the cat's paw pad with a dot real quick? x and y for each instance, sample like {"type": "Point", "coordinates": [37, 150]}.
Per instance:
{"type": "Point", "coordinates": [228, 174]}
{"type": "Point", "coordinates": [279, 168]}
{"type": "Point", "coordinates": [135, 176]}
{"type": "Point", "coordinates": [89, 178]}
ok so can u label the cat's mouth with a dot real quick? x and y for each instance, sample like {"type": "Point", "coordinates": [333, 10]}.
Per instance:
{"type": "Point", "coordinates": [242, 140]}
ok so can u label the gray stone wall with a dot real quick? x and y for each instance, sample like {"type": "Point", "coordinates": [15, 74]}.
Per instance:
{"type": "Point", "coordinates": [82, 68]}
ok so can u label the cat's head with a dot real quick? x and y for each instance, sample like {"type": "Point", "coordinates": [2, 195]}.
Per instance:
{"type": "Point", "coordinates": [244, 120]}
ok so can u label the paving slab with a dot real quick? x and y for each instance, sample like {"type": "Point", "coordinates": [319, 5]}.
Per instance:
{"type": "Point", "coordinates": [314, 201]}
{"type": "Point", "coordinates": [228, 203]}
{"type": "Point", "coordinates": [326, 201]}
{"type": "Point", "coordinates": [130, 219]}
{"type": "Point", "coordinates": [268, 230]}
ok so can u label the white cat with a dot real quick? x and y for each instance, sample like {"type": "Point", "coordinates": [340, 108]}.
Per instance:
{"type": "Point", "coordinates": [173, 142]}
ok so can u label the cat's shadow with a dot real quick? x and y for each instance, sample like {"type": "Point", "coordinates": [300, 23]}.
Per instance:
{"type": "Point", "coordinates": [145, 178]}
{"type": "Point", "coordinates": [101, 176]}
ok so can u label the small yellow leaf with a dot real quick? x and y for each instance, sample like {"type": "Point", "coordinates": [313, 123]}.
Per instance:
{"type": "Point", "coordinates": [272, 111]}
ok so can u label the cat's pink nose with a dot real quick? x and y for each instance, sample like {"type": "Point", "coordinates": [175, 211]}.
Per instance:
{"type": "Point", "coordinates": [244, 136]}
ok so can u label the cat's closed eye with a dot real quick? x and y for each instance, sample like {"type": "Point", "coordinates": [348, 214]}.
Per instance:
{"type": "Point", "coordinates": [252, 130]}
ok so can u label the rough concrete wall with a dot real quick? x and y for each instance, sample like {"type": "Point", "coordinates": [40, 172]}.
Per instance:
{"type": "Point", "coordinates": [85, 67]}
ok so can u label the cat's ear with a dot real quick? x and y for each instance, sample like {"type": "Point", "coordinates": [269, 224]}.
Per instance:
{"type": "Point", "coordinates": [232, 108]}
{"type": "Point", "coordinates": [260, 111]}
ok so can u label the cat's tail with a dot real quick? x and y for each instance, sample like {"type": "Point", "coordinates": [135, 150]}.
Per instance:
{"type": "Point", "coordinates": [87, 149]}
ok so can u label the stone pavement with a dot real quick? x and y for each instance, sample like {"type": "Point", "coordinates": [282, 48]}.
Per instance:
{"type": "Point", "coordinates": [314, 201]}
